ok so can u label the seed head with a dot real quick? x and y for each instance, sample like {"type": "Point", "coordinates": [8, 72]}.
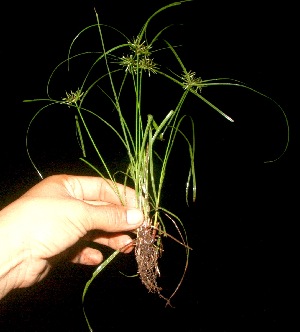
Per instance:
{"type": "Point", "coordinates": [72, 97]}
{"type": "Point", "coordinates": [191, 82]}
{"type": "Point", "coordinates": [139, 48]}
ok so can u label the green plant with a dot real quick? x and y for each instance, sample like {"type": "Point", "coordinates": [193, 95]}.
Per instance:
{"type": "Point", "coordinates": [147, 142]}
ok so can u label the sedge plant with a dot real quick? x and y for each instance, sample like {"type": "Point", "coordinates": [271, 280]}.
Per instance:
{"type": "Point", "coordinates": [147, 142]}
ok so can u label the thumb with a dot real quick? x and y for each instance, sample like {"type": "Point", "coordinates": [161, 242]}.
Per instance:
{"type": "Point", "coordinates": [113, 218]}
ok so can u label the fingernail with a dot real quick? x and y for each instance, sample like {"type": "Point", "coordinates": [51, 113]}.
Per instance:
{"type": "Point", "coordinates": [134, 216]}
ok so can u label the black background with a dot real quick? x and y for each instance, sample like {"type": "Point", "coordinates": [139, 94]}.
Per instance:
{"type": "Point", "coordinates": [241, 227]}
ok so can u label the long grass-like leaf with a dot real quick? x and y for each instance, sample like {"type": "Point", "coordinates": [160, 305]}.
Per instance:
{"type": "Point", "coordinates": [94, 275]}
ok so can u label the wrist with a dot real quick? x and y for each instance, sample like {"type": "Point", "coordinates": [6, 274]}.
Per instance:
{"type": "Point", "coordinates": [11, 259]}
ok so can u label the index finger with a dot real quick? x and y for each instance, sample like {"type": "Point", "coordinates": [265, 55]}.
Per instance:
{"type": "Point", "coordinates": [91, 188]}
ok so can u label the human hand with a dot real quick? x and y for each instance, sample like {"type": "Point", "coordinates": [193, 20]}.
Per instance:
{"type": "Point", "coordinates": [49, 221]}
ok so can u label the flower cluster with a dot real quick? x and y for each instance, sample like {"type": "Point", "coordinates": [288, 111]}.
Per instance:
{"type": "Point", "coordinates": [139, 48]}
{"type": "Point", "coordinates": [72, 97]}
{"type": "Point", "coordinates": [140, 59]}
{"type": "Point", "coordinates": [191, 82]}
